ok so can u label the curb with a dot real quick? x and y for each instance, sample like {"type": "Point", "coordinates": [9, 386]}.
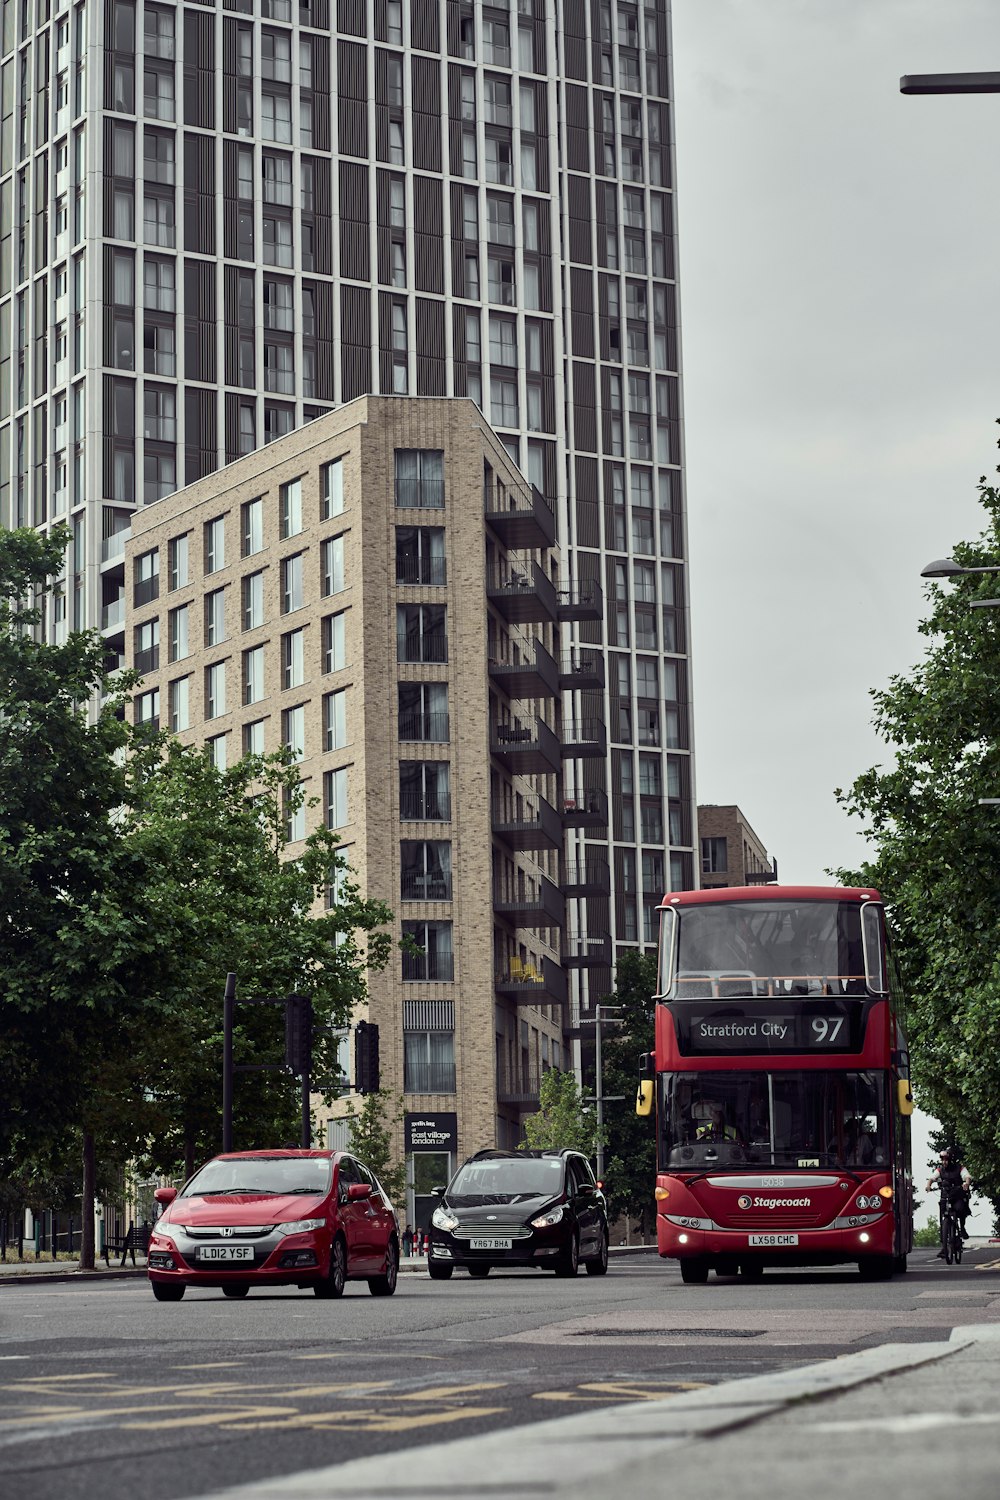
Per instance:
{"type": "Point", "coordinates": [597, 1448]}
{"type": "Point", "coordinates": [29, 1278]}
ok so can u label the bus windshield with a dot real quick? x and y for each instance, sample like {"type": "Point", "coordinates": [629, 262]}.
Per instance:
{"type": "Point", "coordinates": [804, 1119]}
{"type": "Point", "coordinates": [767, 948]}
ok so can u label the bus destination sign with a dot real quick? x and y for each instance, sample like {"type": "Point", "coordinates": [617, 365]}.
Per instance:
{"type": "Point", "coordinates": [722, 1029]}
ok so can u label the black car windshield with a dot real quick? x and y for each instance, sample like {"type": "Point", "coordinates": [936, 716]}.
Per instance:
{"type": "Point", "coordinates": [265, 1175]}
{"type": "Point", "coordinates": [789, 1119]}
{"type": "Point", "coordinates": [507, 1180]}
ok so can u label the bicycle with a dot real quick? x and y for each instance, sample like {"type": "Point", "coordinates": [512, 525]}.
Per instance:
{"type": "Point", "coordinates": [951, 1235]}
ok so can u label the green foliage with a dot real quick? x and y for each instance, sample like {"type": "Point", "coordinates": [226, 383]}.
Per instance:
{"type": "Point", "coordinates": [133, 877]}
{"type": "Point", "coordinates": [929, 1235]}
{"type": "Point", "coordinates": [371, 1133]}
{"type": "Point", "coordinates": [562, 1118]}
{"type": "Point", "coordinates": [938, 852]}
{"type": "Point", "coordinates": [630, 1150]}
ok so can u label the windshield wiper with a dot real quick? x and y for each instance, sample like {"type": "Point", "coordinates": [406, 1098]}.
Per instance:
{"type": "Point", "coordinates": [234, 1192]}
{"type": "Point", "coordinates": [313, 1192]}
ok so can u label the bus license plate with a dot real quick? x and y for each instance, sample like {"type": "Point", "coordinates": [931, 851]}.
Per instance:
{"type": "Point", "coordinates": [225, 1252]}
{"type": "Point", "coordinates": [768, 1241]}
{"type": "Point", "coordinates": [484, 1244]}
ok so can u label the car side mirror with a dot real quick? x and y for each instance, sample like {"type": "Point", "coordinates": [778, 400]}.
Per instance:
{"type": "Point", "coordinates": [357, 1191]}
{"type": "Point", "coordinates": [165, 1195]}
{"type": "Point", "coordinates": [438, 1192]}
{"type": "Point", "coordinates": [587, 1190]}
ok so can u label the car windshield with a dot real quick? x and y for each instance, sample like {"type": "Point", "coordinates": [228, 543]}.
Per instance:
{"type": "Point", "coordinates": [262, 1175]}
{"type": "Point", "coordinates": [507, 1180]}
{"type": "Point", "coordinates": [804, 1119]}
{"type": "Point", "coordinates": [769, 948]}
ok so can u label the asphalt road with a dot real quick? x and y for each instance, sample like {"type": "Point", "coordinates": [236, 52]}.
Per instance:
{"type": "Point", "coordinates": [101, 1388]}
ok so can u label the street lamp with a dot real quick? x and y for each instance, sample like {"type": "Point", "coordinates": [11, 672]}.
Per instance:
{"type": "Point", "coordinates": [947, 567]}
{"type": "Point", "coordinates": [950, 83]}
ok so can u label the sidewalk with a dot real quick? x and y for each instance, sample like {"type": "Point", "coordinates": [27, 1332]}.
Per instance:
{"type": "Point", "coordinates": [918, 1417]}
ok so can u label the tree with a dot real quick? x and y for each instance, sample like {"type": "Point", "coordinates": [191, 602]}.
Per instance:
{"type": "Point", "coordinates": [562, 1118]}
{"type": "Point", "coordinates": [370, 1134]}
{"type": "Point", "coordinates": [937, 857]}
{"type": "Point", "coordinates": [630, 1148]}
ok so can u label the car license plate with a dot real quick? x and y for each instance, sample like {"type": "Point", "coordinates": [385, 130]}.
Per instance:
{"type": "Point", "coordinates": [767, 1240]}
{"type": "Point", "coordinates": [484, 1244]}
{"type": "Point", "coordinates": [225, 1252]}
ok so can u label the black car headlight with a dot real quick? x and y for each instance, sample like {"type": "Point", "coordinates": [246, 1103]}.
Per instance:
{"type": "Point", "coordinates": [443, 1218]}
{"type": "Point", "coordinates": [549, 1218]}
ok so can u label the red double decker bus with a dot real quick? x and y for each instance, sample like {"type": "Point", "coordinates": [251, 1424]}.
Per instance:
{"type": "Point", "coordinates": [780, 1083]}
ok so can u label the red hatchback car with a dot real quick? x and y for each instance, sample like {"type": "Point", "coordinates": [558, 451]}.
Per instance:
{"type": "Point", "coordinates": [275, 1218]}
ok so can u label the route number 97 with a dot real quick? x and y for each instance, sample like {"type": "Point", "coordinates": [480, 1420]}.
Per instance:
{"type": "Point", "coordinates": [826, 1029]}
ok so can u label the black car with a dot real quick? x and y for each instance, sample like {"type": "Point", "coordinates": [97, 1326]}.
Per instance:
{"type": "Point", "coordinates": [520, 1208]}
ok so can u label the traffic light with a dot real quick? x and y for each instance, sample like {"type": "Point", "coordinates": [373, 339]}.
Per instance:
{"type": "Point", "coordinates": [298, 1034]}
{"type": "Point", "coordinates": [366, 1069]}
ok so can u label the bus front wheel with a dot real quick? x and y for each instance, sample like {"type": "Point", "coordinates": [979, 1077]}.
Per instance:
{"type": "Point", "coordinates": [694, 1272]}
{"type": "Point", "coordinates": [876, 1267]}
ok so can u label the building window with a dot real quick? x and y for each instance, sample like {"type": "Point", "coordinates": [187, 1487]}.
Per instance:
{"type": "Point", "coordinates": [420, 633]}
{"type": "Point", "coordinates": [180, 704]}
{"type": "Point", "coordinates": [146, 577]}
{"type": "Point", "coordinates": [295, 816]}
{"type": "Point", "coordinates": [424, 791]}
{"type": "Point", "coordinates": [159, 476]}
{"type": "Point", "coordinates": [215, 617]}
{"type": "Point", "coordinates": [714, 856]}
{"type": "Point", "coordinates": [293, 659]}
{"type": "Point", "coordinates": [334, 634]}
{"type": "Point", "coordinates": [278, 368]}
{"type": "Point", "coordinates": [253, 675]}
{"type": "Point", "coordinates": [159, 350]}
{"type": "Point", "coordinates": [419, 478]}
{"type": "Point", "coordinates": [252, 527]}
{"type": "Point", "coordinates": [429, 1062]}
{"type": "Point", "coordinates": [331, 478]}
{"type": "Point", "coordinates": [147, 708]}
{"type": "Point", "coordinates": [335, 798]}
{"type": "Point", "coordinates": [332, 566]}
{"type": "Point", "coordinates": [335, 720]}
{"type": "Point", "coordinates": [179, 633]}
{"type": "Point", "coordinates": [147, 646]}
{"type": "Point", "coordinates": [436, 960]}
{"type": "Point", "coordinates": [253, 737]}
{"type": "Point", "coordinates": [420, 556]}
{"type": "Point", "coordinates": [425, 870]}
{"type": "Point", "coordinates": [503, 402]}
{"type": "Point", "coordinates": [215, 690]}
{"type": "Point", "coordinates": [423, 712]}
{"type": "Point", "coordinates": [215, 545]}
{"type": "Point", "coordinates": [293, 731]}
{"type": "Point", "coordinates": [252, 590]}
{"type": "Point", "coordinates": [292, 583]}
{"type": "Point", "coordinates": [158, 222]}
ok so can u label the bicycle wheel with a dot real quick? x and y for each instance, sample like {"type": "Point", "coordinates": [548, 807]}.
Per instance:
{"type": "Point", "coordinates": [956, 1240]}
{"type": "Point", "coordinates": [948, 1239]}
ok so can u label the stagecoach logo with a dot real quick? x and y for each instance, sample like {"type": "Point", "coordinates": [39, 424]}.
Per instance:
{"type": "Point", "coordinates": [745, 1201]}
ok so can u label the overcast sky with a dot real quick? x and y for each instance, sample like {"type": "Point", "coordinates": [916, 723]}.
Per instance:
{"type": "Point", "coordinates": [839, 271]}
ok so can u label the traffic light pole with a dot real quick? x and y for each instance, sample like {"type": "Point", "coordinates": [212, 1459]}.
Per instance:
{"type": "Point", "coordinates": [298, 1055]}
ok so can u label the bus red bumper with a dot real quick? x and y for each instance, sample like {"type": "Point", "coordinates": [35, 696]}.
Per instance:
{"type": "Point", "coordinates": [831, 1244]}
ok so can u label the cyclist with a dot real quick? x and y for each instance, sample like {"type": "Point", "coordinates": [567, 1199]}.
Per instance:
{"type": "Point", "coordinates": [953, 1179]}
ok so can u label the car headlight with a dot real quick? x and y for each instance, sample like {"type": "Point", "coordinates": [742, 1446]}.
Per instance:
{"type": "Point", "coordinates": [550, 1217]}
{"type": "Point", "coordinates": [442, 1218]}
{"type": "Point", "coordinates": [169, 1229]}
{"type": "Point", "coordinates": [299, 1226]}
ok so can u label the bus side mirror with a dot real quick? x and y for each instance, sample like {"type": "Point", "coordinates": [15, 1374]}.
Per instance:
{"type": "Point", "coordinates": [644, 1097]}
{"type": "Point", "coordinates": [905, 1097]}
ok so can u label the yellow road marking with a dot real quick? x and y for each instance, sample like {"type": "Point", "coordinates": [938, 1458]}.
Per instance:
{"type": "Point", "coordinates": [62, 1379]}
{"type": "Point", "coordinates": [988, 1265]}
{"type": "Point", "coordinates": [620, 1389]}
{"type": "Point", "coordinates": [210, 1418]}
{"type": "Point", "coordinates": [441, 1392]}
{"type": "Point", "coordinates": [219, 1364]}
{"type": "Point", "coordinates": [368, 1421]}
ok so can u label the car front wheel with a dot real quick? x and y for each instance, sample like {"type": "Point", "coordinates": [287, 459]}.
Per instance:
{"type": "Point", "coordinates": [385, 1285]}
{"type": "Point", "coordinates": [167, 1291]}
{"type": "Point", "coordinates": [598, 1266]}
{"type": "Point", "coordinates": [334, 1282]}
{"type": "Point", "coordinates": [479, 1272]}
{"type": "Point", "coordinates": [235, 1291]}
{"type": "Point", "coordinates": [438, 1272]}
{"type": "Point", "coordinates": [570, 1262]}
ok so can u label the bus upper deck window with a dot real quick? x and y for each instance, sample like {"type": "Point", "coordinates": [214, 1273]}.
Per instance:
{"type": "Point", "coordinates": [871, 932]}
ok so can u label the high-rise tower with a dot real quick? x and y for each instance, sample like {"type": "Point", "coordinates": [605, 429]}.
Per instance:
{"type": "Point", "coordinates": [217, 222]}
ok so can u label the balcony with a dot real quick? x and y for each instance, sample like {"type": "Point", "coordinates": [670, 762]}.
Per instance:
{"type": "Point", "coordinates": [528, 747]}
{"type": "Point", "coordinates": [522, 596]}
{"type": "Point", "coordinates": [113, 547]}
{"type": "Point", "coordinates": [587, 952]}
{"type": "Point", "coordinates": [431, 646]}
{"type": "Point", "coordinates": [581, 601]}
{"type": "Point", "coordinates": [528, 984]}
{"type": "Point", "coordinates": [537, 679]}
{"type": "Point", "coordinates": [148, 660]}
{"type": "Point", "coordinates": [518, 1087]}
{"type": "Point", "coordinates": [587, 877]}
{"type": "Point", "coordinates": [542, 906]}
{"type": "Point", "coordinates": [113, 614]}
{"type": "Point", "coordinates": [581, 669]}
{"type": "Point", "coordinates": [588, 810]}
{"type": "Point", "coordinates": [417, 885]}
{"type": "Point", "coordinates": [421, 570]}
{"type": "Point", "coordinates": [522, 520]}
{"type": "Point", "coordinates": [424, 807]}
{"type": "Point", "coordinates": [584, 738]}
{"type": "Point", "coordinates": [536, 826]}
{"type": "Point", "coordinates": [424, 728]}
